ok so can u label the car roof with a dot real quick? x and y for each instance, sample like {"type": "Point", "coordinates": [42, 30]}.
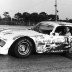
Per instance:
{"type": "Point", "coordinates": [54, 23]}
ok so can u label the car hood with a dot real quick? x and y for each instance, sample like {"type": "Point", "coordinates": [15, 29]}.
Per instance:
{"type": "Point", "coordinates": [12, 33]}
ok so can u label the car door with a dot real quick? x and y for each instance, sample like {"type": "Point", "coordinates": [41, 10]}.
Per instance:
{"type": "Point", "coordinates": [58, 38]}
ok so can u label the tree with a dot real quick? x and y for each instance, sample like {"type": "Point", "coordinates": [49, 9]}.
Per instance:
{"type": "Point", "coordinates": [0, 18]}
{"type": "Point", "coordinates": [7, 17]}
{"type": "Point", "coordinates": [53, 17]}
{"type": "Point", "coordinates": [26, 18]}
{"type": "Point", "coordinates": [70, 20]}
{"type": "Point", "coordinates": [18, 16]}
{"type": "Point", "coordinates": [34, 17]}
{"type": "Point", "coordinates": [6, 14]}
{"type": "Point", "coordinates": [43, 16]}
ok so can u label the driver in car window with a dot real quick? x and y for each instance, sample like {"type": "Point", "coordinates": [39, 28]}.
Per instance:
{"type": "Point", "coordinates": [68, 33]}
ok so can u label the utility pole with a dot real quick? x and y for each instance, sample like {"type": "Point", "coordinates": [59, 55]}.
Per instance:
{"type": "Point", "coordinates": [56, 10]}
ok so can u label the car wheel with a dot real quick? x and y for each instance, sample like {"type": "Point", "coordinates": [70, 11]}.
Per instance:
{"type": "Point", "coordinates": [23, 48]}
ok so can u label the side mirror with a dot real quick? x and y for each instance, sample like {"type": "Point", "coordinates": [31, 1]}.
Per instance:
{"type": "Point", "coordinates": [52, 34]}
{"type": "Point", "coordinates": [55, 34]}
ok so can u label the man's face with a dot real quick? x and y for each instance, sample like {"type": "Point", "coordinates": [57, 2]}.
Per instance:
{"type": "Point", "coordinates": [67, 29]}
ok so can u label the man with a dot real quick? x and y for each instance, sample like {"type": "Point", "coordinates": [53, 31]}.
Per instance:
{"type": "Point", "coordinates": [68, 33]}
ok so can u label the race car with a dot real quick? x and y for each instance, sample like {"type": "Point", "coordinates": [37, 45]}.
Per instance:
{"type": "Point", "coordinates": [44, 37]}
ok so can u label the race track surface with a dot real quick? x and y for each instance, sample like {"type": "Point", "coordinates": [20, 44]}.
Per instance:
{"type": "Point", "coordinates": [36, 63]}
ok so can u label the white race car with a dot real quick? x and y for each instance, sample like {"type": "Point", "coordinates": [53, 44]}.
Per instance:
{"type": "Point", "coordinates": [45, 37]}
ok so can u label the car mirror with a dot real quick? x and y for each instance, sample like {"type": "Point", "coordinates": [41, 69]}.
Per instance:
{"type": "Point", "coordinates": [52, 34]}
{"type": "Point", "coordinates": [56, 34]}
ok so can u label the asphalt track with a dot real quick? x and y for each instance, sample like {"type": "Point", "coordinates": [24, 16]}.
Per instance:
{"type": "Point", "coordinates": [36, 63]}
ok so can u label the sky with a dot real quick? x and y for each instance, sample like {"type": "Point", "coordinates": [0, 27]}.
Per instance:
{"type": "Point", "coordinates": [14, 6]}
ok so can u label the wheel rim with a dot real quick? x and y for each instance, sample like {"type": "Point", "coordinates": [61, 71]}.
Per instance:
{"type": "Point", "coordinates": [23, 47]}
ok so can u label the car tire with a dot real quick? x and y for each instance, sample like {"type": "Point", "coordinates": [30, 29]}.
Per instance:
{"type": "Point", "coordinates": [23, 48]}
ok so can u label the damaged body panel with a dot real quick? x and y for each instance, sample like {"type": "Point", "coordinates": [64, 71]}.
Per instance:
{"type": "Point", "coordinates": [49, 44]}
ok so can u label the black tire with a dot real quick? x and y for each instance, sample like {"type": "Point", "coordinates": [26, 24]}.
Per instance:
{"type": "Point", "coordinates": [23, 48]}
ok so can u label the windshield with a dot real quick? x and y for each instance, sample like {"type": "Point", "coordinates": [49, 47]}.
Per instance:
{"type": "Point", "coordinates": [43, 28]}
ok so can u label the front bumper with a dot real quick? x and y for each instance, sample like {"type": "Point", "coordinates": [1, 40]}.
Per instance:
{"type": "Point", "coordinates": [4, 47]}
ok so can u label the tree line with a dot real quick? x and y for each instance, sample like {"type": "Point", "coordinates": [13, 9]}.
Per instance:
{"type": "Point", "coordinates": [26, 18]}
